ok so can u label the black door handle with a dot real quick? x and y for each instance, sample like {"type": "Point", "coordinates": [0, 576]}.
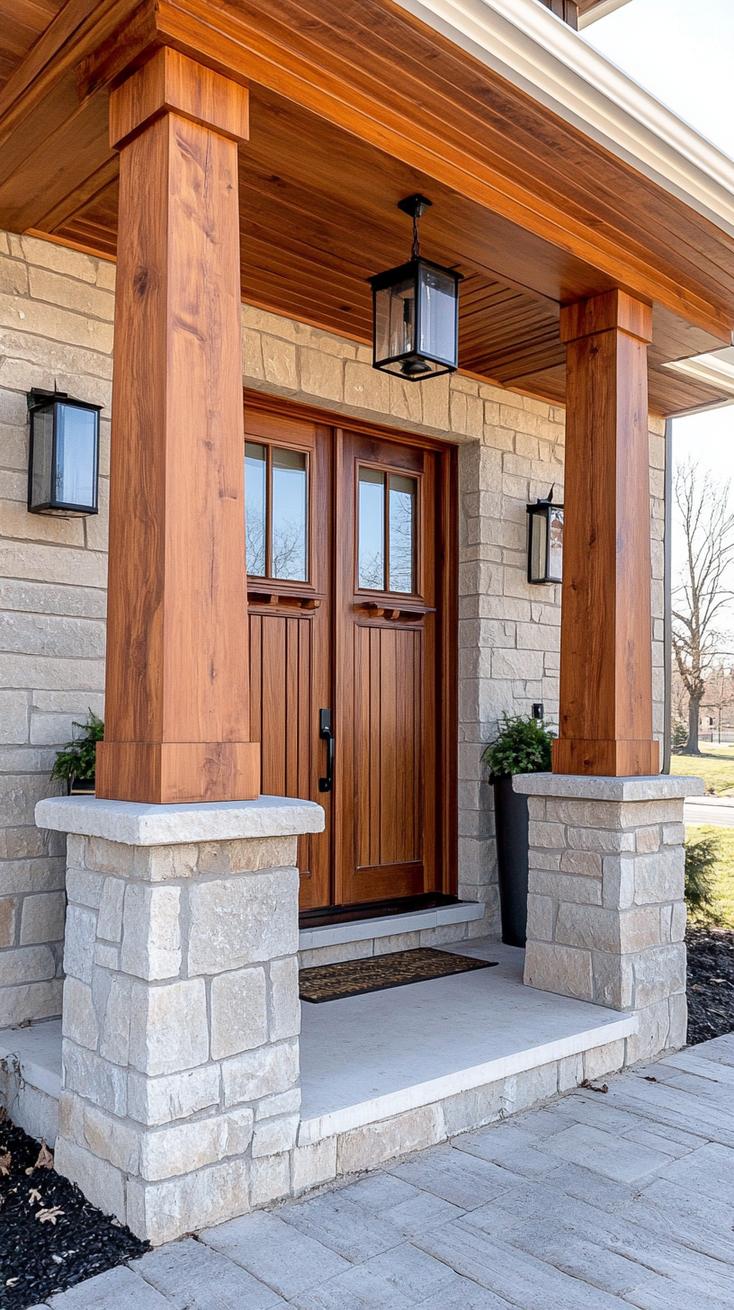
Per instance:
{"type": "Point", "coordinates": [326, 734]}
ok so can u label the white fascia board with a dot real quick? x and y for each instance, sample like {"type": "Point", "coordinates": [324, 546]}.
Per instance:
{"type": "Point", "coordinates": [600, 11]}
{"type": "Point", "coordinates": [530, 47]}
{"type": "Point", "coordinates": [715, 369]}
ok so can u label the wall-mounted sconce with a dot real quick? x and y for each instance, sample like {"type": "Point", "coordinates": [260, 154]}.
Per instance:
{"type": "Point", "coordinates": [63, 462]}
{"type": "Point", "coordinates": [545, 540]}
{"type": "Point", "coordinates": [415, 312]}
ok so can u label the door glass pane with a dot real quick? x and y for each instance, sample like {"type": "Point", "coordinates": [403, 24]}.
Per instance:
{"type": "Point", "coordinates": [255, 484]}
{"type": "Point", "coordinates": [402, 533]}
{"type": "Point", "coordinates": [372, 529]}
{"type": "Point", "coordinates": [289, 515]}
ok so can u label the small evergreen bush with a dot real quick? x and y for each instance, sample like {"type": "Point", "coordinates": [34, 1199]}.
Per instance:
{"type": "Point", "coordinates": [76, 762]}
{"type": "Point", "coordinates": [701, 856]}
{"type": "Point", "coordinates": [522, 745]}
{"type": "Point", "coordinates": [679, 737]}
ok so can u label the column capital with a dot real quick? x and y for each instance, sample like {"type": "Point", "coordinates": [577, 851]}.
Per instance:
{"type": "Point", "coordinates": [614, 310]}
{"type": "Point", "coordinates": [170, 82]}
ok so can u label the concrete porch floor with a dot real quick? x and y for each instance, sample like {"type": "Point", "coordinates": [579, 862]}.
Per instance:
{"type": "Point", "coordinates": [593, 1202]}
{"type": "Point", "coordinates": [369, 1058]}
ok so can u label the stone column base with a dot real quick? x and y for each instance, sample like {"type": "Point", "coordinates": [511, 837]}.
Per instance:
{"type": "Point", "coordinates": [181, 1096]}
{"type": "Point", "coordinates": [606, 907]}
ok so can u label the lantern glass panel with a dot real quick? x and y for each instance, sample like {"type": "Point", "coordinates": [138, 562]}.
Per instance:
{"type": "Point", "coordinates": [395, 320]}
{"type": "Point", "coordinates": [75, 481]}
{"type": "Point", "coordinates": [555, 543]}
{"type": "Point", "coordinates": [43, 447]}
{"type": "Point", "coordinates": [538, 544]}
{"type": "Point", "coordinates": [437, 314]}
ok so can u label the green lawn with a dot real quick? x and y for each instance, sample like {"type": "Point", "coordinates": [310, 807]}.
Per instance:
{"type": "Point", "coordinates": [724, 868]}
{"type": "Point", "coordinates": [715, 765]}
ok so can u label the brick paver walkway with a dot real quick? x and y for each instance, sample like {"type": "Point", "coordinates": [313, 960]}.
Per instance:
{"type": "Point", "coordinates": [593, 1202]}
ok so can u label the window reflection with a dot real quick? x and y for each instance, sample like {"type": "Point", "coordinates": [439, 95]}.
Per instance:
{"type": "Point", "coordinates": [255, 504]}
{"type": "Point", "coordinates": [371, 552]}
{"type": "Point", "coordinates": [290, 515]}
{"type": "Point", "coordinates": [402, 533]}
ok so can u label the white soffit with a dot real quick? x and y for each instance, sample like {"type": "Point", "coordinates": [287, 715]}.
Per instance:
{"type": "Point", "coordinates": [602, 10]}
{"type": "Point", "coordinates": [530, 47]}
{"type": "Point", "coordinates": [715, 369]}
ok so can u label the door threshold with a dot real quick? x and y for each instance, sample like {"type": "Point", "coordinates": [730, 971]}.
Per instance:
{"type": "Point", "coordinates": [387, 925]}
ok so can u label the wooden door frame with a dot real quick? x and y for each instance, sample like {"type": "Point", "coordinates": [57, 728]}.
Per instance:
{"type": "Point", "coordinates": [447, 549]}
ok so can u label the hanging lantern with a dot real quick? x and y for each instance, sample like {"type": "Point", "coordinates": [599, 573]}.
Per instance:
{"type": "Point", "coordinates": [415, 312]}
{"type": "Point", "coordinates": [545, 540]}
{"type": "Point", "coordinates": [63, 463]}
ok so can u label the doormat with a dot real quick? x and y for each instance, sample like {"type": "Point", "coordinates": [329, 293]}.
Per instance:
{"type": "Point", "coordinates": [334, 982]}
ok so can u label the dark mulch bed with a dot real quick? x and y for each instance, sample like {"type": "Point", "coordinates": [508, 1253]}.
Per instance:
{"type": "Point", "coordinates": [50, 1236]}
{"type": "Point", "coordinates": [710, 983]}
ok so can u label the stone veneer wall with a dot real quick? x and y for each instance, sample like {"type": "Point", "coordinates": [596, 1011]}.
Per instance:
{"type": "Point", "coordinates": [56, 309]}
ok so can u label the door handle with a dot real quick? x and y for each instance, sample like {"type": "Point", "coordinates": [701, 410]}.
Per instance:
{"type": "Point", "coordinates": [326, 734]}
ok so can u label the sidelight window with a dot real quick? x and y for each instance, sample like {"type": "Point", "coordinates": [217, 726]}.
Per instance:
{"type": "Point", "coordinates": [276, 512]}
{"type": "Point", "coordinates": [387, 536]}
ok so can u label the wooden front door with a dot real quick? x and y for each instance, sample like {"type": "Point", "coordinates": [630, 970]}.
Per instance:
{"type": "Point", "coordinates": [352, 636]}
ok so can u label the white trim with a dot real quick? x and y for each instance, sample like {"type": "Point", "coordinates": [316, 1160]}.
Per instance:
{"type": "Point", "coordinates": [714, 370]}
{"type": "Point", "coordinates": [390, 925]}
{"type": "Point", "coordinates": [533, 49]}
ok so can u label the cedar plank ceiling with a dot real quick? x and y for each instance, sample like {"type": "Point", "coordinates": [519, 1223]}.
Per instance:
{"type": "Point", "coordinates": [318, 217]}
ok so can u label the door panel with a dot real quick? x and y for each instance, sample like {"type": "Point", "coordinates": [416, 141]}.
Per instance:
{"type": "Point", "coordinates": [351, 601]}
{"type": "Point", "coordinates": [290, 619]}
{"type": "Point", "coordinates": [386, 671]}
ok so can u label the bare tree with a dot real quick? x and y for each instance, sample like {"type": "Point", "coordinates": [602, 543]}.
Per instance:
{"type": "Point", "coordinates": [702, 590]}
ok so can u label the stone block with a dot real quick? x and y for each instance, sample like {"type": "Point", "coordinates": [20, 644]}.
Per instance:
{"type": "Point", "coordinates": [26, 964]}
{"type": "Point", "coordinates": [555, 968]}
{"type": "Point", "coordinates": [273, 1136]}
{"type": "Point", "coordinates": [565, 887]}
{"type": "Point", "coordinates": [590, 926]}
{"type": "Point", "coordinates": [613, 980]}
{"type": "Point", "coordinates": [587, 864]}
{"type": "Point", "coordinates": [313, 1165]}
{"type": "Point", "coordinates": [168, 1026]}
{"type": "Point", "coordinates": [659, 877]}
{"type": "Point", "coordinates": [282, 1103]}
{"type": "Point", "coordinates": [79, 1015]}
{"type": "Point", "coordinates": [162, 1100]}
{"type": "Point", "coordinates": [80, 936]}
{"type": "Point", "coordinates": [181, 1148]}
{"type": "Point", "coordinates": [618, 881]}
{"type": "Point", "coordinates": [113, 1140]}
{"type": "Point", "coordinates": [647, 840]}
{"type": "Point", "coordinates": [161, 1211]}
{"type": "Point", "coordinates": [239, 1019]}
{"type": "Point", "coordinates": [541, 916]}
{"type": "Point", "coordinates": [42, 918]}
{"type": "Point", "coordinates": [151, 936]}
{"type": "Point", "coordinates": [101, 1182]}
{"type": "Point", "coordinates": [248, 854]}
{"type": "Point", "coordinates": [653, 1034]}
{"type": "Point", "coordinates": [639, 927]}
{"type": "Point", "coordinates": [39, 1000]}
{"type": "Point", "coordinates": [604, 1059]}
{"type": "Point", "coordinates": [109, 919]}
{"type": "Point", "coordinates": [270, 1179]}
{"type": "Point", "coordinates": [658, 972]}
{"type": "Point", "coordinates": [242, 920]}
{"type": "Point", "coordinates": [361, 1148]}
{"type": "Point", "coordinates": [8, 913]}
{"type": "Point", "coordinates": [95, 1078]}
{"type": "Point", "coordinates": [114, 1005]}
{"type": "Point", "coordinates": [263, 1072]}
{"type": "Point", "coordinates": [82, 886]}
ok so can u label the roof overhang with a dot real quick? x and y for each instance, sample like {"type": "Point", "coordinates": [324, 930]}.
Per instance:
{"type": "Point", "coordinates": [525, 43]}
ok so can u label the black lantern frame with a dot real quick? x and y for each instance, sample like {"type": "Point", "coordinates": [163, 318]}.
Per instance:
{"type": "Point", "coordinates": [45, 453]}
{"type": "Point", "coordinates": [544, 564]}
{"type": "Point", "coordinates": [416, 363]}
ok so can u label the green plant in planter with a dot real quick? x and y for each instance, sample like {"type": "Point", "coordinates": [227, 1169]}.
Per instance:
{"type": "Point", "coordinates": [76, 762]}
{"type": "Point", "coordinates": [522, 745]}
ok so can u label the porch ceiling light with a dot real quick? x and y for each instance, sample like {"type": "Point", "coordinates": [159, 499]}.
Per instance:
{"type": "Point", "coordinates": [63, 463]}
{"type": "Point", "coordinates": [545, 540]}
{"type": "Point", "coordinates": [415, 312]}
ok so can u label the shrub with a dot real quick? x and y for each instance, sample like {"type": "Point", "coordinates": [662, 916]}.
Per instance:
{"type": "Point", "coordinates": [701, 856]}
{"type": "Point", "coordinates": [77, 759]}
{"type": "Point", "coordinates": [679, 737]}
{"type": "Point", "coordinates": [522, 745]}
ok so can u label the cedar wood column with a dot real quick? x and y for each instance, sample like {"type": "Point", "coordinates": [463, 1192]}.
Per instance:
{"type": "Point", "coordinates": [177, 719]}
{"type": "Point", "coordinates": [606, 659]}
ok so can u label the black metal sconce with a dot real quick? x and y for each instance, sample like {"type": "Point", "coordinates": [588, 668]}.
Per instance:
{"type": "Point", "coordinates": [415, 312]}
{"type": "Point", "coordinates": [545, 540]}
{"type": "Point", "coordinates": [63, 461]}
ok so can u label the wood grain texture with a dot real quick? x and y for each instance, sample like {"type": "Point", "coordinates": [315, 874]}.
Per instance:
{"type": "Point", "coordinates": [338, 138]}
{"type": "Point", "coordinates": [176, 627]}
{"type": "Point", "coordinates": [171, 81]}
{"type": "Point", "coordinates": [605, 718]}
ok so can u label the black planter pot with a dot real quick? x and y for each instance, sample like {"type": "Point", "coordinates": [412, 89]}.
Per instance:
{"type": "Point", "coordinates": [511, 823]}
{"type": "Point", "coordinates": [81, 787]}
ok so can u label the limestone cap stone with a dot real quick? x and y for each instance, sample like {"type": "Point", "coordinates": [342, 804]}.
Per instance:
{"type": "Point", "coordinates": [656, 787]}
{"type": "Point", "coordinates": [136, 824]}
